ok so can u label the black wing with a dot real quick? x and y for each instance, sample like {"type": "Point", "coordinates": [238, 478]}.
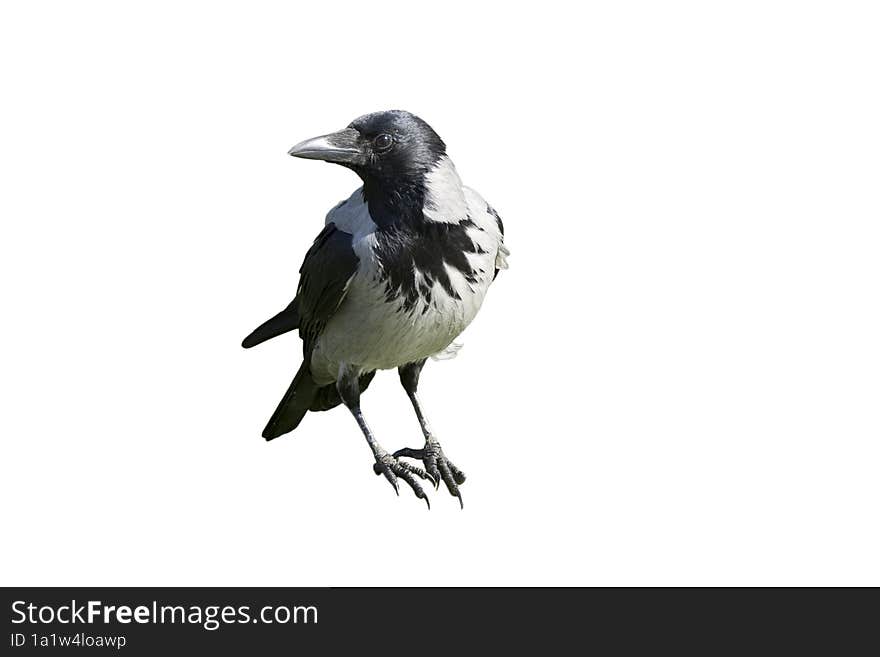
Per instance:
{"type": "Point", "coordinates": [286, 320]}
{"type": "Point", "coordinates": [500, 223]}
{"type": "Point", "coordinates": [323, 281]}
{"type": "Point", "coordinates": [324, 277]}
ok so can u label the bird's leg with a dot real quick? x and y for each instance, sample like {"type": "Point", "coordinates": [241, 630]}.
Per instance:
{"type": "Point", "coordinates": [436, 464]}
{"type": "Point", "coordinates": [349, 390]}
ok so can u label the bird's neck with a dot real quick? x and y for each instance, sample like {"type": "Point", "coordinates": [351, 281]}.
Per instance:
{"type": "Point", "coordinates": [421, 199]}
{"type": "Point", "coordinates": [395, 203]}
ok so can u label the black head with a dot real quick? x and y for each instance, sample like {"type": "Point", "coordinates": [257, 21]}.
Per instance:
{"type": "Point", "coordinates": [383, 147]}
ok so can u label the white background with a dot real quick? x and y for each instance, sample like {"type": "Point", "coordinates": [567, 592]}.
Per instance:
{"type": "Point", "coordinates": [675, 383]}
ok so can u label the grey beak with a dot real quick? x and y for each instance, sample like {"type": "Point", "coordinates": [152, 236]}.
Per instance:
{"type": "Point", "coordinates": [341, 147]}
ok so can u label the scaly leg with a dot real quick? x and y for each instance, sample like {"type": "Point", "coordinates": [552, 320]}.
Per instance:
{"type": "Point", "coordinates": [349, 390]}
{"type": "Point", "coordinates": [435, 461]}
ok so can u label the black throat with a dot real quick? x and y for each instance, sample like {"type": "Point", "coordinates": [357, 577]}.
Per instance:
{"type": "Point", "coordinates": [396, 205]}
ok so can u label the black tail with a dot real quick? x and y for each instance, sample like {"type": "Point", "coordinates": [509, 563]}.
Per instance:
{"type": "Point", "coordinates": [286, 320]}
{"type": "Point", "coordinates": [302, 396]}
{"type": "Point", "coordinates": [294, 405]}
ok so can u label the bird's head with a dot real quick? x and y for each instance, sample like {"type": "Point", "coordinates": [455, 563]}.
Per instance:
{"type": "Point", "coordinates": [383, 147]}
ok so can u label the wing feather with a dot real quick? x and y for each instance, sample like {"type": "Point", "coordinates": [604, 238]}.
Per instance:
{"type": "Point", "coordinates": [325, 275]}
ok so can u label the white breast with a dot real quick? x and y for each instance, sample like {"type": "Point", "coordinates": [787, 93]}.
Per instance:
{"type": "Point", "coordinates": [371, 332]}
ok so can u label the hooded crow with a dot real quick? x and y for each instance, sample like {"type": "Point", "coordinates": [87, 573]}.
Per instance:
{"type": "Point", "coordinates": [399, 271]}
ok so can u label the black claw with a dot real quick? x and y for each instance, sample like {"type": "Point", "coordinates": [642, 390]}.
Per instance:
{"type": "Point", "coordinates": [389, 475]}
{"type": "Point", "coordinates": [460, 501]}
{"type": "Point", "coordinates": [435, 473]}
{"type": "Point", "coordinates": [408, 478]}
{"type": "Point", "coordinates": [457, 474]}
{"type": "Point", "coordinates": [449, 480]}
{"type": "Point", "coordinates": [387, 469]}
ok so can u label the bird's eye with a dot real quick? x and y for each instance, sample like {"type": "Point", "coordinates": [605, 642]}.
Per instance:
{"type": "Point", "coordinates": [383, 142]}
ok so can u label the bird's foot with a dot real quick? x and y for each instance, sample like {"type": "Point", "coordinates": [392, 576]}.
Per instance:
{"type": "Point", "coordinates": [437, 466]}
{"type": "Point", "coordinates": [388, 465]}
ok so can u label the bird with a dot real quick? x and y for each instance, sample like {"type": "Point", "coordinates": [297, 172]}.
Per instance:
{"type": "Point", "coordinates": [400, 269]}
